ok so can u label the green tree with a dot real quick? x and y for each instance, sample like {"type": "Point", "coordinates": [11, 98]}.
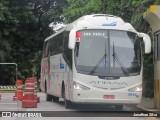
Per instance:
{"type": "Point", "coordinates": [79, 8]}
{"type": "Point", "coordinates": [24, 26]}
{"type": "Point", "coordinates": [4, 31]}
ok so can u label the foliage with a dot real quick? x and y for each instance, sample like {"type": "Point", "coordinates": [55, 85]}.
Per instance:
{"type": "Point", "coordinates": [24, 26]}
{"type": "Point", "coordinates": [79, 8]}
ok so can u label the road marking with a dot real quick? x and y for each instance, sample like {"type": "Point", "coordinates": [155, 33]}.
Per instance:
{"type": "Point", "coordinates": [7, 103]}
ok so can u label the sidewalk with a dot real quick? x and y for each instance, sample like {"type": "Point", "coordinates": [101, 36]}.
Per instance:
{"type": "Point", "coordinates": [147, 104]}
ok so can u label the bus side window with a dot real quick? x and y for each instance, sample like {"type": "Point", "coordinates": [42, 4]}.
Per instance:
{"type": "Point", "coordinates": [52, 46]}
{"type": "Point", "coordinates": [45, 49]}
{"type": "Point", "coordinates": [55, 44]}
{"type": "Point", "coordinates": [66, 51]}
{"type": "Point", "coordinates": [60, 43]}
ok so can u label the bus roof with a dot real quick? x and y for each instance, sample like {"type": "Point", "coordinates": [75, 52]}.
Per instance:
{"type": "Point", "coordinates": [58, 32]}
{"type": "Point", "coordinates": [100, 21]}
{"type": "Point", "coordinates": [97, 21]}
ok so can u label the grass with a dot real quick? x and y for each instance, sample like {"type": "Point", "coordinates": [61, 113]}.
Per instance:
{"type": "Point", "coordinates": [146, 97]}
{"type": "Point", "coordinates": [7, 91]}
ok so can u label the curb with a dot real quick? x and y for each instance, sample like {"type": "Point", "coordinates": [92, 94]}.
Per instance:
{"type": "Point", "coordinates": [149, 110]}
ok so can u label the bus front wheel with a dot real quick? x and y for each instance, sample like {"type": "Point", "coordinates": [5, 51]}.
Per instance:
{"type": "Point", "coordinates": [67, 103]}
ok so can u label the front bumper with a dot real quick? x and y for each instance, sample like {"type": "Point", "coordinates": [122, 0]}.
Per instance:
{"type": "Point", "coordinates": [98, 97]}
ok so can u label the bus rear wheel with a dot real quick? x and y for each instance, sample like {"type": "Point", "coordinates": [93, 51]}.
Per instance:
{"type": "Point", "coordinates": [48, 97]}
{"type": "Point", "coordinates": [55, 99]}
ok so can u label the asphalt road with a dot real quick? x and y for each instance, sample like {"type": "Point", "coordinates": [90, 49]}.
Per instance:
{"type": "Point", "coordinates": [56, 110]}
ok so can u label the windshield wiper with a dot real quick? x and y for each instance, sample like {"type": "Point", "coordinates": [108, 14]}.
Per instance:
{"type": "Point", "coordinates": [116, 58]}
{"type": "Point", "coordinates": [99, 62]}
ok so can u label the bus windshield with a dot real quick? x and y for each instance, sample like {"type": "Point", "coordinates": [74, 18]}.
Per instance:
{"type": "Point", "coordinates": [107, 53]}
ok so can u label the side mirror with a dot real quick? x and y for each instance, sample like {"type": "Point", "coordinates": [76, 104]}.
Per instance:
{"type": "Point", "coordinates": [72, 39]}
{"type": "Point", "coordinates": [147, 42]}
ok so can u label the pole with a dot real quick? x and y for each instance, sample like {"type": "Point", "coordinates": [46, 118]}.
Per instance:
{"type": "Point", "coordinates": [153, 12]}
{"type": "Point", "coordinates": [15, 76]}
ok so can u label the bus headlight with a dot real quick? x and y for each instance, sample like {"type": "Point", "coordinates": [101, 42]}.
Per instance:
{"type": "Point", "coordinates": [78, 86]}
{"type": "Point", "coordinates": [136, 89]}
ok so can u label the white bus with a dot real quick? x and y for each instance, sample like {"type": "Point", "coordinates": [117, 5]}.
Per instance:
{"type": "Point", "coordinates": [97, 59]}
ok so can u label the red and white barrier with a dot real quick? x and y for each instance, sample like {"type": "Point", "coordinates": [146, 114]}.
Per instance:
{"type": "Point", "coordinates": [29, 99]}
{"type": "Point", "coordinates": [19, 91]}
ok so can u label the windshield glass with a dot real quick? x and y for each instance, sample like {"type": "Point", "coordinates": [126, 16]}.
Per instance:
{"type": "Point", "coordinates": [108, 53]}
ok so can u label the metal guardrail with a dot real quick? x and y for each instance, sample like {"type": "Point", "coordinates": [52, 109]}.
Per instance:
{"type": "Point", "coordinates": [11, 87]}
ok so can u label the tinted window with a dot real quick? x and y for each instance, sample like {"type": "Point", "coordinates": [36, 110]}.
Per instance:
{"type": "Point", "coordinates": [67, 52]}
{"type": "Point", "coordinates": [56, 44]}
{"type": "Point", "coordinates": [108, 53]}
{"type": "Point", "coordinates": [45, 49]}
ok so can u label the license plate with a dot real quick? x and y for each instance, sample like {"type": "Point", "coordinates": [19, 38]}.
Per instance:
{"type": "Point", "coordinates": [108, 96]}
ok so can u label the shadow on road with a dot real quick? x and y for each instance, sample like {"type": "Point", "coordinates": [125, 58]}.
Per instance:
{"type": "Point", "coordinates": [90, 107]}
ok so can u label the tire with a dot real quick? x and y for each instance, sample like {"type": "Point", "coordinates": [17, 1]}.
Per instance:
{"type": "Point", "coordinates": [67, 103]}
{"type": "Point", "coordinates": [48, 97]}
{"type": "Point", "coordinates": [55, 99]}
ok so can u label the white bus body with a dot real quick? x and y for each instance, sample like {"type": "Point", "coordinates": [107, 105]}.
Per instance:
{"type": "Point", "coordinates": [96, 59]}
